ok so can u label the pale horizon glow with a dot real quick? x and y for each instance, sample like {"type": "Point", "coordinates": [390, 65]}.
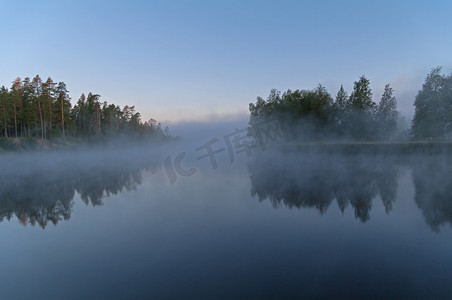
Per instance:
{"type": "Point", "coordinates": [181, 61]}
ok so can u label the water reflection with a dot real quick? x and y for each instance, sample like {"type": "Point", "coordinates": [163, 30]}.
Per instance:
{"type": "Point", "coordinates": [41, 190]}
{"type": "Point", "coordinates": [44, 191]}
{"type": "Point", "coordinates": [432, 179]}
{"type": "Point", "coordinates": [317, 181]}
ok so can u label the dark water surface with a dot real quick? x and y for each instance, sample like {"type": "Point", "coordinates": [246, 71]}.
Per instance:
{"type": "Point", "coordinates": [276, 226]}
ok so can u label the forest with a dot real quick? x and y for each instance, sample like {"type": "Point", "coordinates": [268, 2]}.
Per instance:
{"type": "Point", "coordinates": [37, 109]}
{"type": "Point", "coordinates": [314, 115]}
{"type": "Point", "coordinates": [33, 108]}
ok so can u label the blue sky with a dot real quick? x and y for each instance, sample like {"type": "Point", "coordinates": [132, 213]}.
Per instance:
{"type": "Point", "coordinates": [207, 60]}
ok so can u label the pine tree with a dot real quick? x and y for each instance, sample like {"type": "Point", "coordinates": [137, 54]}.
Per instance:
{"type": "Point", "coordinates": [63, 101]}
{"type": "Point", "coordinates": [47, 96]}
{"type": "Point", "coordinates": [4, 101]}
{"type": "Point", "coordinates": [387, 113]}
{"type": "Point", "coordinates": [30, 115]}
{"type": "Point", "coordinates": [37, 92]}
{"type": "Point", "coordinates": [341, 98]}
{"type": "Point", "coordinates": [360, 120]}
{"type": "Point", "coordinates": [16, 93]}
{"type": "Point", "coordinates": [361, 97]}
{"type": "Point", "coordinates": [340, 110]}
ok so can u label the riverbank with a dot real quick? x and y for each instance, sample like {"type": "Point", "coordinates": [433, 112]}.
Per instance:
{"type": "Point", "coordinates": [70, 143]}
{"type": "Point", "coordinates": [36, 144]}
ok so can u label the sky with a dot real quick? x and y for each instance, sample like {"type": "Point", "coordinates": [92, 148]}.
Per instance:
{"type": "Point", "coordinates": [179, 61]}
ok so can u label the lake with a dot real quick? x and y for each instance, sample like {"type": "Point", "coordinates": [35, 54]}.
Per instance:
{"type": "Point", "coordinates": [131, 224]}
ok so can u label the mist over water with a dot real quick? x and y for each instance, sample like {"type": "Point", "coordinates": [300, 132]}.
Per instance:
{"type": "Point", "coordinates": [273, 222]}
{"type": "Point", "coordinates": [355, 182]}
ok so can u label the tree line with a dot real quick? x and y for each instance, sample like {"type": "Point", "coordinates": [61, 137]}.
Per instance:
{"type": "Point", "coordinates": [314, 114]}
{"type": "Point", "coordinates": [43, 109]}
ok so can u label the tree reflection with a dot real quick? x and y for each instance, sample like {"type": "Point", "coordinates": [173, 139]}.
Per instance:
{"type": "Point", "coordinates": [432, 177]}
{"type": "Point", "coordinates": [45, 193]}
{"type": "Point", "coordinates": [317, 180]}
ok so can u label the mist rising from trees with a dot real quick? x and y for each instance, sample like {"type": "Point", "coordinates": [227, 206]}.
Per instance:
{"type": "Point", "coordinates": [314, 115]}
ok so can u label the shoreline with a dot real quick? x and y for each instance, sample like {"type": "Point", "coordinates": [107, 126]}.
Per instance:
{"type": "Point", "coordinates": [21, 144]}
{"type": "Point", "coordinates": [405, 147]}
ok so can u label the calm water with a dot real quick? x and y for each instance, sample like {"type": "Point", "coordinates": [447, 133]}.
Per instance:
{"type": "Point", "coordinates": [274, 226]}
